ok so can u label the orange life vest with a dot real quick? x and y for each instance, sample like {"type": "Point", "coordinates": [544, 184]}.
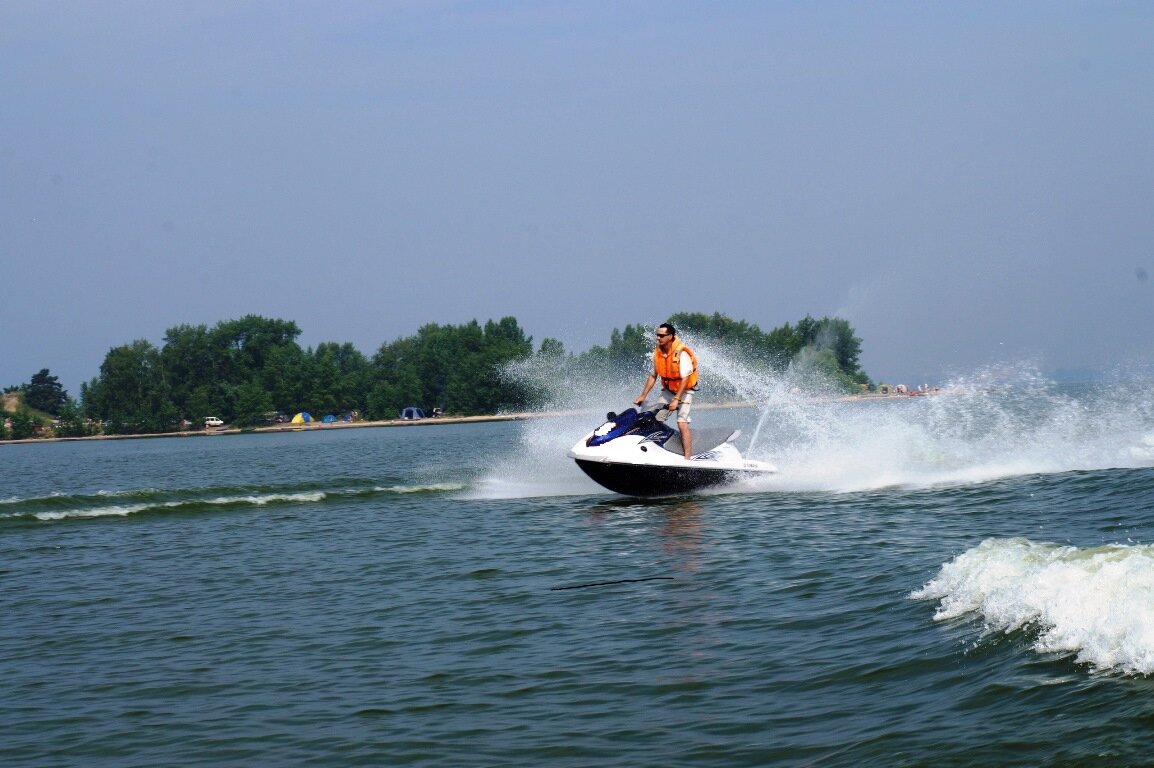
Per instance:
{"type": "Point", "coordinates": [668, 366]}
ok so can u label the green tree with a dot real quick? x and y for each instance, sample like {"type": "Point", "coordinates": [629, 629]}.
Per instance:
{"type": "Point", "coordinates": [448, 368]}
{"type": "Point", "coordinates": [719, 327]}
{"type": "Point", "coordinates": [44, 393]}
{"type": "Point", "coordinates": [249, 340]}
{"type": "Point", "coordinates": [807, 331]}
{"type": "Point", "coordinates": [131, 393]}
{"type": "Point", "coordinates": [458, 368]}
{"type": "Point", "coordinates": [287, 377]}
{"type": "Point", "coordinates": [25, 425]}
{"type": "Point", "coordinates": [252, 403]}
{"type": "Point", "coordinates": [783, 344]}
{"type": "Point", "coordinates": [191, 364]}
{"type": "Point", "coordinates": [551, 348]}
{"type": "Point", "coordinates": [396, 383]}
{"type": "Point", "coordinates": [837, 335]}
{"type": "Point", "coordinates": [201, 402]}
{"type": "Point", "coordinates": [342, 378]}
{"type": "Point", "coordinates": [504, 341]}
{"type": "Point", "coordinates": [628, 354]}
{"type": "Point", "coordinates": [207, 367]}
{"type": "Point", "coordinates": [822, 361]}
{"type": "Point", "coordinates": [71, 421]}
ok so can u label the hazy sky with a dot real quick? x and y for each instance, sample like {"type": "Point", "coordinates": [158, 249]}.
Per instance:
{"type": "Point", "coordinates": [967, 183]}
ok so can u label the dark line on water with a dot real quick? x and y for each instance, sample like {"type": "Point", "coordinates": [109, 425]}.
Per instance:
{"type": "Point", "coordinates": [835, 753]}
{"type": "Point", "coordinates": [607, 583]}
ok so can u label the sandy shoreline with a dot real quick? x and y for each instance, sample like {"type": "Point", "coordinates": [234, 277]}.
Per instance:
{"type": "Point", "coordinates": [313, 425]}
{"type": "Point", "coordinates": [427, 422]}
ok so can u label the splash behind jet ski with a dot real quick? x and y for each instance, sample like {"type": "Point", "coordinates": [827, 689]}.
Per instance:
{"type": "Point", "coordinates": [634, 454]}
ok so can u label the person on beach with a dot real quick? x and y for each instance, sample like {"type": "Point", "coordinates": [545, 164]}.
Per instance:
{"type": "Point", "coordinates": [676, 366]}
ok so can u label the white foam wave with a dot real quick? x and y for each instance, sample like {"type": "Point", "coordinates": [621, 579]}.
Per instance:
{"type": "Point", "coordinates": [74, 514]}
{"type": "Point", "coordinates": [21, 500]}
{"type": "Point", "coordinates": [268, 498]}
{"type": "Point", "coordinates": [1095, 604]}
{"type": "Point", "coordinates": [428, 488]}
{"type": "Point", "coordinates": [123, 510]}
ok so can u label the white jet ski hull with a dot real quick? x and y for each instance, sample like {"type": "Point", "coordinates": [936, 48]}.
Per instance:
{"type": "Point", "coordinates": [637, 465]}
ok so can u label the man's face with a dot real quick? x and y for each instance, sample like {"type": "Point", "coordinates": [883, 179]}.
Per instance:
{"type": "Point", "coordinates": [664, 338]}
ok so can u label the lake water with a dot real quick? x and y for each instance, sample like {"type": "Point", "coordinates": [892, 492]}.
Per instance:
{"type": "Point", "coordinates": [957, 580]}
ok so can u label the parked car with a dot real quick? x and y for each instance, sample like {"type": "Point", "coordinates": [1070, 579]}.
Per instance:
{"type": "Point", "coordinates": [213, 421]}
{"type": "Point", "coordinates": [412, 414]}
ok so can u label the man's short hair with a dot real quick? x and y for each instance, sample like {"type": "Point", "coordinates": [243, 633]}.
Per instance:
{"type": "Point", "coordinates": [668, 329]}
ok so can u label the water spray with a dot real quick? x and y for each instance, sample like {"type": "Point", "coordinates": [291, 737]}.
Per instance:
{"type": "Point", "coordinates": [995, 422]}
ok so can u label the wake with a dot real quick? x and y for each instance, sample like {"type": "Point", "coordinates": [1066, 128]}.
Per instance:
{"type": "Point", "coordinates": [1091, 604]}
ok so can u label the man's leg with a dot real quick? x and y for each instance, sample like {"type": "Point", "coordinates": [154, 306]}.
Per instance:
{"type": "Point", "coordinates": [686, 438]}
{"type": "Point", "coordinates": [683, 423]}
{"type": "Point", "coordinates": [663, 401]}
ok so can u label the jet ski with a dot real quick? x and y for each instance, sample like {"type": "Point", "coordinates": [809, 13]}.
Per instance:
{"type": "Point", "coordinates": [634, 454]}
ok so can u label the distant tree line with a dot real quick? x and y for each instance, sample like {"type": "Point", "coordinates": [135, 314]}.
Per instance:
{"type": "Point", "coordinates": [246, 370]}
{"type": "Point", "coordinates": [828, 347]}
